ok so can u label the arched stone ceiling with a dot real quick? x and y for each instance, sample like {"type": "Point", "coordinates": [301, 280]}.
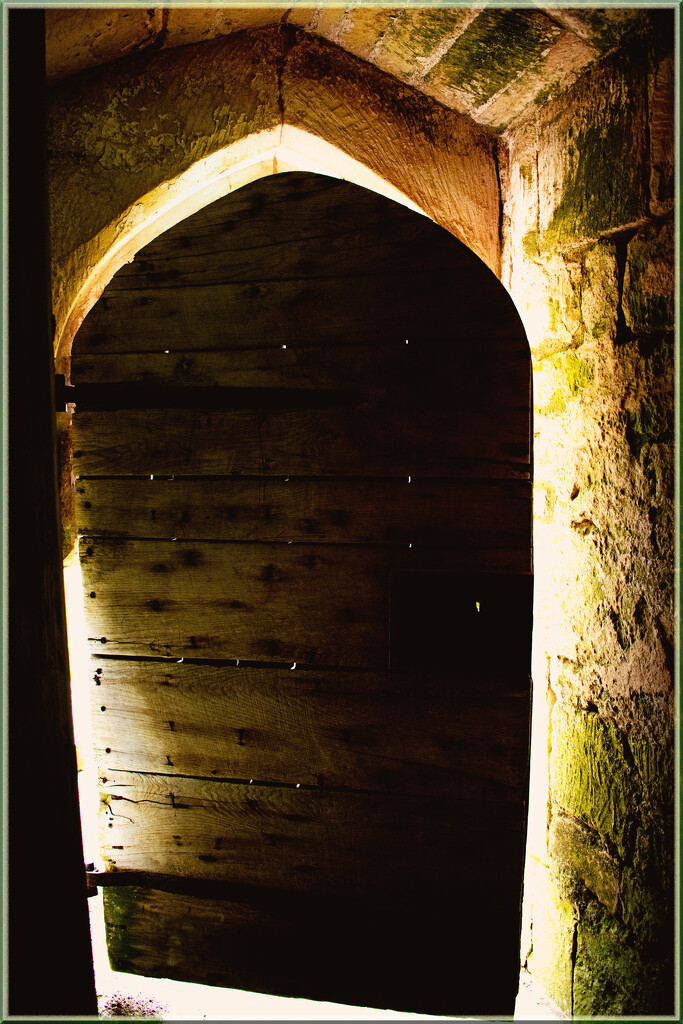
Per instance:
{"type": "Point", "coordinates": [491, 63]}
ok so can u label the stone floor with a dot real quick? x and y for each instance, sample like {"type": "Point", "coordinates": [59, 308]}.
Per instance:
{"type": "Point", "coordinates": [533, 1003]}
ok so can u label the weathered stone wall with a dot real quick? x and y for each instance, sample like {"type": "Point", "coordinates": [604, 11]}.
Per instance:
{"type": "Point", "coordinates": [588, 256]}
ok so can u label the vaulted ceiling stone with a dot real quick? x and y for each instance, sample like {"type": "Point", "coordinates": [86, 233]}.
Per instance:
{"type": "Point", "coordinates": [488, 62]}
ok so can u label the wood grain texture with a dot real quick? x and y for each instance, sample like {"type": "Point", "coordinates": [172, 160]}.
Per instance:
{"type": "Point", "coordinates": [264, 314]}
{"type": "Point", "coordinates": [337, 810]}
{"type": "Point", "coordinates": [306, 839]}
{"type": "Point", "coordinates": [323, 244]}
{"type": "Point", "coordinates": [335, 442]}
{"type": "Point", "coordinates": [420, 373]}
{"type": "Point", "coordinates": [297, 260]}
{"type": "Point", "coordinates": [420, 733]}
{"type": "Point", "coordinates": [466, 513]}
{"type": "Point", "coordinates": [298, 225]}
{"type": "Point", "coordinates": [319, 604]}
{"type": "Point", "coordinates": [409, 954]}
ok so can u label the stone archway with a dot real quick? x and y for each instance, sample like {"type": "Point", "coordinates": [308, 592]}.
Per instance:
{"type": "Point", "coordinates": [139, 144]}
{"type": "Point", "coordinates": [264, 153]}
{"type": "Point", "coordinates": [290, 103]}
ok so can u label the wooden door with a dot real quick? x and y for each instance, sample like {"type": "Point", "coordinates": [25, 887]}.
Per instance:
{"type": "Point", "coordinates": [302, 450]}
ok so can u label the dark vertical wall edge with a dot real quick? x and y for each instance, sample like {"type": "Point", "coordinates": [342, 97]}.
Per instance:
{"type": "Point", "coordinates": [48, 958]}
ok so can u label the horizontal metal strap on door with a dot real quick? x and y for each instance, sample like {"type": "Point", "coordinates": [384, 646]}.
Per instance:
{"type": "Point", "coordinates": [111, 397]}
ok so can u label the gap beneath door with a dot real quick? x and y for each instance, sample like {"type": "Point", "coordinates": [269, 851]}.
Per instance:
{"type": "Point", "coordinates": [121, 994]}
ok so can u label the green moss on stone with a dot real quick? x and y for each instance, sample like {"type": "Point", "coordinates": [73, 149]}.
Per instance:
{"type": "Point", "coordinates": [648, 424]}
{"type": "Point", "coordinates": [421, 35]}
{"type": "Point", "coordinates": [581, 853]}
{"type": "Point", "coordinates": [579, 374]}
{"type": "Point", "coordinates": [599, 296]}
{"type": "Point", "coordinates": [591, 777]}
{"type": "Point", "coordinates": [530, 243]}
{"type": "Point", "coordinates": [526, 174]}
{"type": "Point", "coordinates": [649, 282]}
{"type": "Point", "coordinates": [612, 977]}
{"type": "Point", "coordinates": [656, 711]}
{"type": "Point", "coordinates": [553, 925]}
{"type": "Point", "coordinates": [646, 900]}
{"type": "Point", "coordinates": [544, 96]}
{"type": "Point", "coordinates": [649, 311]}
{"type": "Point", "coordinates": [498, 46]}
{"type": "Point", "coordinates": [555, 405]}
{"type": "Point", "coordinates": [605, 185]}
{"type": "Point", "coordinates": [575, 374]}
{"type": "Point", "coordinates": [658, 312]}
{"type": "Point", "coordinates": [573, 306]}
{"type": "Point", "coordinates": [647, 888]}
{"type": "Point", "coordinates": [609, 27]}
{"type": "Point", "coordinates": [654, 759]}
{"type": "Point", "coordinates": [549, 346]}
{"type": "Point", "coordinates": [554, 307]}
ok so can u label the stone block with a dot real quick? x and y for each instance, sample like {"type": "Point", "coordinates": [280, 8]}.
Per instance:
{"type": "Point", "coordinates": [611, 977]}
{"type": "Point", "coordinates": [661, 90]}
{"type": "Point", "coordinates": [582, 853]}
{"type": "Point", "coordinates": [593, 155]}
{"type": "Point", "coordinates": [80, 38]}
{"type": "Point", "coordinates": [415, 38]}
{"type": "Point", "coordinates": [559, 378]}
{"type": "Point", "coordinates": [648, 300]}
{"type": "Point", "coordinates": [145, 120]}
{"type": "Point", "coordinates": [356, 29]}
{"type": "Point", "coordinates": [653, 749]}
{"type": "Point", "coordinates": [591, 777]}
{"type": "Point", "coordinates": [600, 291]}
{"type": "Point", "coordinates": [414, 143]}
{"type": "Point", "coordinates": [561, 64]}
{"type": "Point", "coordinates": [493, 51]}
{"type": "Point", "coordinates": [197, 24]}
{"type": "Point", "coordinates": [521, 200]}
{"type": "Point", "coordinates": [603, 27]}
{"type": "Point", "coordinates": [646, 907]}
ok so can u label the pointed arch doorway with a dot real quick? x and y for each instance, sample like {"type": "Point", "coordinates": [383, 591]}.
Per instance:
{"type": "Point", "coordinates": [302, 448]}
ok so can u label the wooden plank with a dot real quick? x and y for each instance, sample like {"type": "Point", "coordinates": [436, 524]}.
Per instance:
{"type": "Point", "coordinates": [468, 513]}
{"type": "Point", "coordinates": [415, 373]}
{"type": "Point", "coordinates": [420, 733]}
{"type": "Point", "coordinates": [322, 604]}
{"type": "Point", "coordinates": [306, 839]}
{"type": "Point", "coordinates": [268, 313]}
{"type": "Point", "coordinates": [247, 251]}
{"type": "Point", "coordinates": [296, 226]}
{"type": "Point", "coordinates": [273, 207]}
{"type": "Point", "coordinates": [276, 602]}
{"type": "Point", "coordinates": [289, 189]}
{"type": "Point", "coordinates": [406, 955]}
{"type": "Point", "coordinates": [301, 442]}
{"type": "Point", "coordinates": [282, 260]}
